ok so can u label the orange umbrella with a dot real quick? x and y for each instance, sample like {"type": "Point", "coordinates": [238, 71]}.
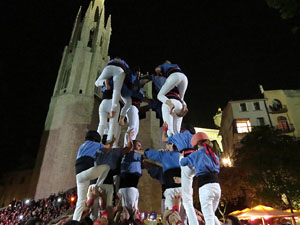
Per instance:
{"type": "Point", "coordinates": [261, 211]}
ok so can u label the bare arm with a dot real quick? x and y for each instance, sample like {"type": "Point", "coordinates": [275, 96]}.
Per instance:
{"type": "Point", "coordinates": [129, 145]}
{"type": "Point", "coordinates": [107, 85]}
{"type": "Point", "coordinates": [109, 145]}
{"type": "Point", "coordinates": [164, 137]}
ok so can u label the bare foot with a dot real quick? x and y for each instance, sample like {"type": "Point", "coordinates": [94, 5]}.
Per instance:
{"type": "Point", "coordinates": [112, 114]}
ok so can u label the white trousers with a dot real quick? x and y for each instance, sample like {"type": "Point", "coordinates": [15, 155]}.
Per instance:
{"type": "Point", "coordinates": [178, 80]}
{"type": "Point", "coordinates": [209, 195]}
{"type": "Point", "coordinates": [118, 75]}
{"type": "Point", "coordinates": [112, 125]}
{"type": "Point", "coordinates": [187, 175]}
{"type": "Point", "coordinates": [83, 181]}
{"type": "Point", "coordinates": [169, 194]}
{"type": "Point", "coordinates": [130, 197]}
{"type": "Point", "coordinates": [173, 121]}
{"type": "Point", "coordinates": [127, 103]}
{"type": "Point", "coordinates": [133, 122]}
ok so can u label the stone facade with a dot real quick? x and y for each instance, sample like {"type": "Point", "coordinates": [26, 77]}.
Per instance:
{"type": "Point", "coordinates": [74, 105]}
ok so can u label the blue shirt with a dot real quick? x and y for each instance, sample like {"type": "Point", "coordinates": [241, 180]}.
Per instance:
{"type": "Point", "coordinates": [89, 148]}
{"type": "Point", "coordinates": [182, 140]}
{"type": "Point", "coordinates": [202, 162]}
{"type": "Point", "coordinates": [158, 81]}
{"type": "Point", "coordinates": [165, 67]}
{"type": "Point", "coordinates": [132, 163]}
{"type": "Point", "coordinates": [169, 160]}
{"type": "Point", "coordinates": [119, 61]}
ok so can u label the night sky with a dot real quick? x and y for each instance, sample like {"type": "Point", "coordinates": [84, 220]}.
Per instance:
{"type": "Point", "coordinates": [226, 48]}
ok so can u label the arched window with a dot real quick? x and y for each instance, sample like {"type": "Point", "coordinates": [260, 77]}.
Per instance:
{"type": "Point", "coordinates": [97, 15]}
{"type": "Point", "coordinates": [282, 123]}
{"type": "Point", "coordinates": [91, 37]}
{"type": "Point", "coordinates": [276, 104]}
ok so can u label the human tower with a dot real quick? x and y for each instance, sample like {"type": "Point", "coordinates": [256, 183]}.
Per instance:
{"type": "Point", "coordinates": [116, 170]}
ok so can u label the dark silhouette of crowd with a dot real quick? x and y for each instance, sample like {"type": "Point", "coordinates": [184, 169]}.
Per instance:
{"type": "Point", "coordinates": [47, 209]}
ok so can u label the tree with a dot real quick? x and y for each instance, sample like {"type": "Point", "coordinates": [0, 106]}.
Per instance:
{"type": "Point", "coordinates": [272, 161]}
{"type": "Point", "coordinates": [235, 187]}
{"type": "Point", "coordinates": [287, 8]}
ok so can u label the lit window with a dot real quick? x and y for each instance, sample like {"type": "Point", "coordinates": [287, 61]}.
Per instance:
{"type": "Point", "coordinates": [256, 106]}
{"type": "Point", "coordinates": [243, 107]}
{"type": "Point", "coordinates": [243, 126]}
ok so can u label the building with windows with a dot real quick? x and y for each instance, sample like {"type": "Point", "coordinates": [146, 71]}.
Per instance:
{"type": "Point", "coordinates": [279, 109]}
{"type": "Point", "coordinates": [284, 110]}
{"type": "Point", "coordinates": [238, 118]}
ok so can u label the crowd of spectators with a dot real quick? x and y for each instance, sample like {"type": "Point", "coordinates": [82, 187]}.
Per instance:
{"type": "Point", "coordinates": [47, 209]}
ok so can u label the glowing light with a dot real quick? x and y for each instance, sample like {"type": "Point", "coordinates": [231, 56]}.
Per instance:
{"type": "Point", "coordinates": [73, 199]}
{"type": "Point", "coordinates": [267, 217]}
{"type": "Point", "coordinates": [226, 161]}
{"type": "Point", "coordinates": [27, 201]}
{"type": "Point", "coordinates": [243, 126]}
{"type": "Point", "coordinates": [59, 200]}
{"type": "Point", "coordinates": [21, 217]}
{"type": "Point", "coordinates": [253, 218]}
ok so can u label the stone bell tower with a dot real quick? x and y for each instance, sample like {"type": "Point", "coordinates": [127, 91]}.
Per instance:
{"type": "Point", "coordinates": [74, 105]}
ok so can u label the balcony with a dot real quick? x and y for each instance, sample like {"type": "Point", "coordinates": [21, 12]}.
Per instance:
{"type": "Point", "coordinates": [277, 109]}
{"type": "Point", "coordinates": [288, 128]}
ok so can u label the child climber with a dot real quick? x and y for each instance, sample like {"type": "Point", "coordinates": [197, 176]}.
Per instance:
{"type": "Point", "coordinates": [207, 167]}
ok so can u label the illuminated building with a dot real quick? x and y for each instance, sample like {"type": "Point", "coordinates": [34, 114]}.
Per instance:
{"type": "Point", "coordinates": [238, 118]}
{"type": "Point", "coordinates": [284, 110]}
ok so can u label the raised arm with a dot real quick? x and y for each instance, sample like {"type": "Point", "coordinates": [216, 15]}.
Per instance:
{"type": "Point", "coordinates": [164, 137]}
{"type": "Point", "coordinates": [109, 145]}
{"type": "Point", "coordinates": [129, 145]}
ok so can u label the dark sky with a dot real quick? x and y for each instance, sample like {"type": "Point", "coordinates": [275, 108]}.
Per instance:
{"type": "Point", "coordinates": [226, 48]}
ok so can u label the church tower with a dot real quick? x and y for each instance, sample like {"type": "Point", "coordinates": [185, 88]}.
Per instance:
{"type": "Point", "coordinates": [74, 105]}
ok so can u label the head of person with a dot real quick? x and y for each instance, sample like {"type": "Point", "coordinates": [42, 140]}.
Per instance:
{"type": "Point", "coordinates": [167, 62]}
{"type": "Point", "coordinates": [136, 71]}
{"type": "Point", "coordinates": [137, 145]}
{"type": "Point", "coordinates": [72, 222]}
{"type": "Point", "coordinates": [86, 221]}
{"type": "Point", "coordinates": [171, 147]}
{"type": "Point", "coordinates": [232, 220]}
{"type": "Point", "coordinates": [188, 127]}
{"type": "Point", "coordinates": [93, 135]}
{"type": "Point", "coordinates": [199, 139]}
{"type": "Point", "coordinates": [35, 221]}
{"type": "Point", "coordinates": [171, 218]}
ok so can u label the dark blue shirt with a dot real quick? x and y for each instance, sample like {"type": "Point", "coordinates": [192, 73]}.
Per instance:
{"type": "Point", "coordinates": [165, 67]}
{"type": "Point", "coordinates": [111, 157]}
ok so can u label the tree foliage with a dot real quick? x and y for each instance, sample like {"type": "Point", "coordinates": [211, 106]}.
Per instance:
{"type": "Point", "coordinates": [235, 187]}
{"type": "Point", "coordinates": [272, 163]}
{"type": "Point", "coordinates": [287, 8]}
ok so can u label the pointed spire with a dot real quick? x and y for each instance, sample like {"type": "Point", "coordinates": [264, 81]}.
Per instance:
{"type": "Point", "coordinates": [75, 27]}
